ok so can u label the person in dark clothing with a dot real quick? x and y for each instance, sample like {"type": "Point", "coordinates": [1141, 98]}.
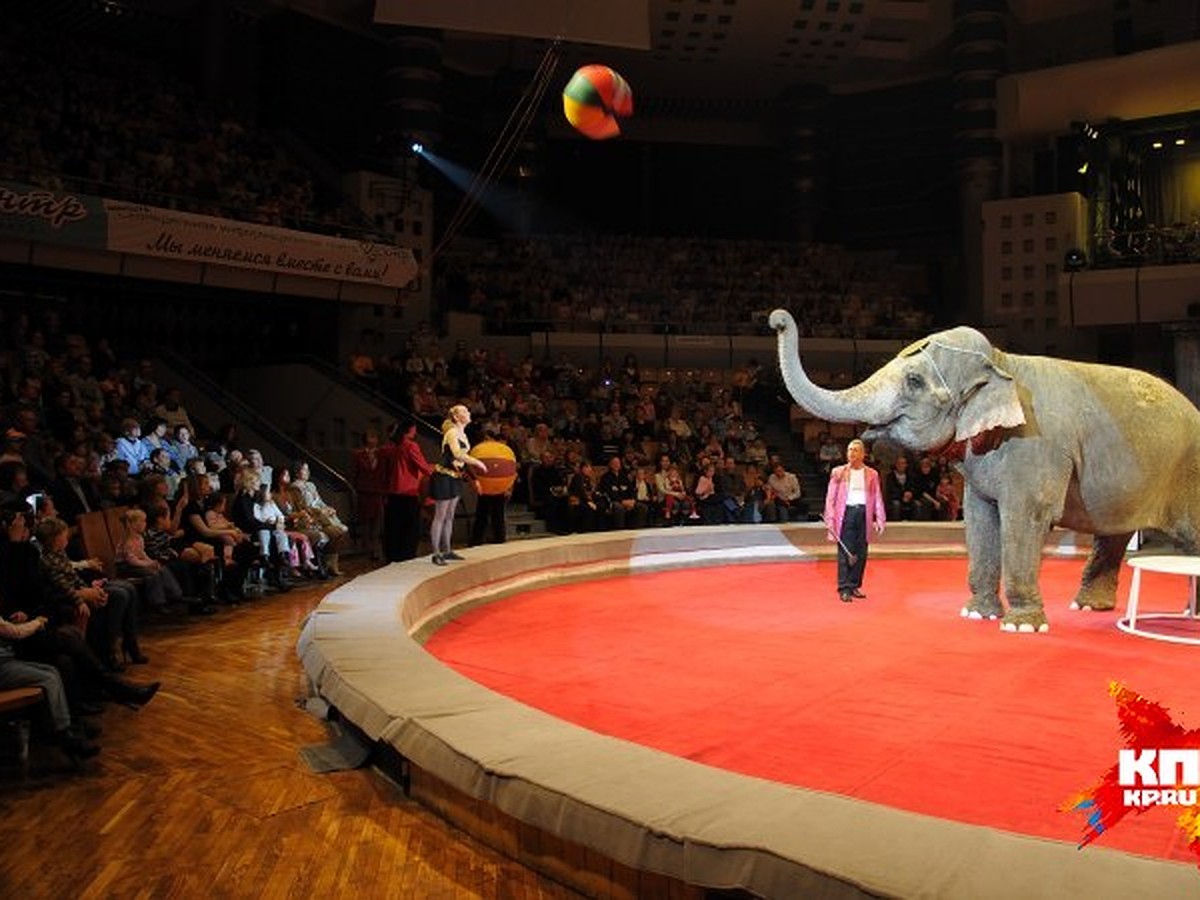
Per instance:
{"type": "Point", "coordinates": [73, 494]}
{"type": "Point", "coordinates": [406, 468]}
{"type": "Point", "coordinates": [548, 492]}
{"type": "Point", "coordinates": [620, 492]}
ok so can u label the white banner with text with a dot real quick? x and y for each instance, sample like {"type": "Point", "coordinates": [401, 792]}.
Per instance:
{"type": "Point", "coordinates": [150, 231]}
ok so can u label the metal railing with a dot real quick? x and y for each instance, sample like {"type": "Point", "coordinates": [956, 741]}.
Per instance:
{"type": "Point", "coordinates": [1153, 245]}
{"type": "Point", "coordinates": [240, 412]}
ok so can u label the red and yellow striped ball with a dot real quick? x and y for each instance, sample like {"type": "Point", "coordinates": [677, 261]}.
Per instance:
{"type": "Point", "coordinates": [501, 467]}
{"type": "Point", "coordinates": [594, 99]}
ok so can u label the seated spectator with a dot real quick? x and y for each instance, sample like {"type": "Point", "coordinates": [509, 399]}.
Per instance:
{"type": "Point", "coordinates": [15, 673]}
{"type": "Point", "coordinates": [181, 447]}
{"type": "Point", "coordinates": [73, 494]}
{"type": "Point", "coordinates": [588, 508]}
{"type": "Point", "coordinates": [925, 488]}
{"type": "Point", "coordinates": [899, 493]}
{"type": "Point", "coordinates": [267, 510]}
{"type": "Point", "coordinates": [61, 643]}
{"type": "Point", "coordinates": [620, 495]}
{"type": "Point", "coordinates": [784, 500]}
{"type": "Point", "coordinates": [159, 466]}
{"type": "Point", "coordinates": [231, 471]}
{"type": "Point", "coordinates": [159, 584]}
{"type": "Point", "coordinates": [950, 498]}
{"type": "Point", "coordinates": [708, 502]}
{"type": "Point", "coordinates": [116, 487]}
{"type": "Point", "coordinates": [216, 516]}
{"type": "Point", "coordinates": [61, 416]}
{"type": "Point", "coordinates": [677, 503]}
{"type": "Point", "coordinates": [646, 495]}
{"type": "Point", "coordinates": [201, 525]}
{"type": "Point", "coordinates": [755, 494]}
{"type": "Point", "coordinates": [829, 452]}
{"type": "Point", "coordinates": [14, 482]}
{"type": "Point", "coordinates": [172, 411]}
{"type": "Point", "coordinates": [105, 609]}
{"type": "Point", "coordinates": [191, 567]}
{"type": "Point", "coordinates": [155, 437]}
{"type": "Point", "coordinates": [307, 537]}
{"type": "Point", "coordinates": [548, 483]}
{"type": "Point", "coordinates": [306, 497]}
{"type": "Point", "coordinates": [756, 452]}
{"type": "Point", "coordinates": [130, 447]}
{"type": "Point", "coordinates": [730, 487]}
{"type": "Point", "coordinates": [257, 516]}
{"type": "Point", "coordinates": [265, 473]}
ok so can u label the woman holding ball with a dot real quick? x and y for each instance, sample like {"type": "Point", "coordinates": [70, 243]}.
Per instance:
{"type": "Point", "coordinates": [446, 484]}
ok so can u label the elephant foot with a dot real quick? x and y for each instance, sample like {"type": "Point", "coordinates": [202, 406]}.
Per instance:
{"type": "Point", "coordinates": [1095, 600]}
{"type": "Point", "coordinates": [979, 608]}
{"type": "Point", "coordinates": [1030, 622]}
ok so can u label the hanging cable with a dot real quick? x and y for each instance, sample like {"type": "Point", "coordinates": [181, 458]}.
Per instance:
{"type": "Point", "coordinates": [505, 146]}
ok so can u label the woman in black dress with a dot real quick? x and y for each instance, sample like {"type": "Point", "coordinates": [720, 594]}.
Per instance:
{"type": "Point", "coordinates": [446, 483]}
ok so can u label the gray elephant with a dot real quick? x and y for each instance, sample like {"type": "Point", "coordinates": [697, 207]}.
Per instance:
{"type": "Point", "coordinates": [1099, 449]}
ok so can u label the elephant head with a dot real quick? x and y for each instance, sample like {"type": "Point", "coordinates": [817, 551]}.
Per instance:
{"type": "Point", "coordinates": [944, 388]}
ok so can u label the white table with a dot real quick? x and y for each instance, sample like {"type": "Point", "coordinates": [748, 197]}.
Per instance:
{"type": "Point", "coordinates": [1171, 565]}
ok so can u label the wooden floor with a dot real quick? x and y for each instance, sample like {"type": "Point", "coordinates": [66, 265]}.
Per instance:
{"type": "Point", "coordinates": [203, 793]}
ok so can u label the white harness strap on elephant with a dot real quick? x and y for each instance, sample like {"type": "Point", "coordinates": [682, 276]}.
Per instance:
{"type": "Point", "coordinates": [933, 362]}
{"type": "Point", "coordinates": [1008, 416]}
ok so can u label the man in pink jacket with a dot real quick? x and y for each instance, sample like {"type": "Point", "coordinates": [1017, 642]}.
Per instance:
{"type": "Point", "coordinates": [853, 507]}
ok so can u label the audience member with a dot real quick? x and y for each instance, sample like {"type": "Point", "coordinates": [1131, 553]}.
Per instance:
{"type": "Point", "coordinates": [621, 507]}
{"type": "Point", "coordinates": [369, 473]}
{"type": "Point", "coordinates": [899, 492]}
{"type": "Point", "coordinates": [305, 497]}
{"type": "Point", "coordinates": [784, 500]}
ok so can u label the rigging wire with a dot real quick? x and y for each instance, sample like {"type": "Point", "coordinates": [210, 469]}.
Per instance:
{"type": "Point", "coordinates": [505, 146]}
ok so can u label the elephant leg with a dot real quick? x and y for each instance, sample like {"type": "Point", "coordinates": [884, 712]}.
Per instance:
{"type": "Point", "coordinates": [981, 519]}
{"type": "Point", "coordinates": [1023, 534]}
{"type": "Point", "coordinates": [1098, 588]}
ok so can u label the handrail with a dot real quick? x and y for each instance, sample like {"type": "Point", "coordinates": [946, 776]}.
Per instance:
{"type": "Point", "coordinates": [276, 435]}
{"type": "Point", "coordinates": [372, 395]}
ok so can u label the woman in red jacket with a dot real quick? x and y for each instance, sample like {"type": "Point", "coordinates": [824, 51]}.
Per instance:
{"type": "Point", "coordinates": [406, 466]}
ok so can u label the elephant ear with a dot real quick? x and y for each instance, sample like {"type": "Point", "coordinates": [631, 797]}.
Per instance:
{"type": "Point", "coordinates": [991, 401]}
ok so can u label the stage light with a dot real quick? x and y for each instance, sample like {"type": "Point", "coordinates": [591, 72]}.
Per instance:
{"type": "Point", "coordinates": [418, 148]}
{"type": "Point", "coordinates": [1157, 145]}
{"type": "Point", "coordinates": [1082, 170]}
{"type": "Point", "coordinates": [1075, 260]}
{"type": "Point", "coordinates": [1179, 142]}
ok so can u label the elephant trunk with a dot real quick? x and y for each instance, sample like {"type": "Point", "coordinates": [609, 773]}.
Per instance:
{"type": "Point", "coordinates": [873, 401]}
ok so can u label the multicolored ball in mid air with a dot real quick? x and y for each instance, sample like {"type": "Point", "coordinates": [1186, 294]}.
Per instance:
{"type": "Point", "coordinates": [594, 99]}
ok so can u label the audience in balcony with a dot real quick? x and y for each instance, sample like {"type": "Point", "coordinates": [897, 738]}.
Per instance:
{"type": "Point", "coordinates": [679, 285]}
{"type": "Point", "coordinates": [76, 119]}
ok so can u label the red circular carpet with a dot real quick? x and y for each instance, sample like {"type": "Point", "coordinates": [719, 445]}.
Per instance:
{"type": "Point", "coordinates": [759, 669]}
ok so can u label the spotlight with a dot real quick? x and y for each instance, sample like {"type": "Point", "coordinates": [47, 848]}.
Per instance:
{"type": "Point", "coordinates": [1157, 145]}
{"type": "Point", "coordinates": [1179, 142]}
{"type": "Point", "coordinates": [1082, 170]}
{"type": "Point", "coordinates": [1075, 260]}
{"type": "Point", "coordinates": [417, 147]}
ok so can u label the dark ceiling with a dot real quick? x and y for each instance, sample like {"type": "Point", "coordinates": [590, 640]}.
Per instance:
{"type": "Point", "coordinates": [745, 49]}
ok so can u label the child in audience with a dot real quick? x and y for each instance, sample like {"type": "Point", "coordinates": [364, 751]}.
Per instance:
{"type": "Point", "coordinates": [159, 584]}
{"type": "Point", "coordinates": [215, 518]}
{"type": "Point", "coordinates": [676, 501]}
{"type": "Point", "coordinates": [191, 565]}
